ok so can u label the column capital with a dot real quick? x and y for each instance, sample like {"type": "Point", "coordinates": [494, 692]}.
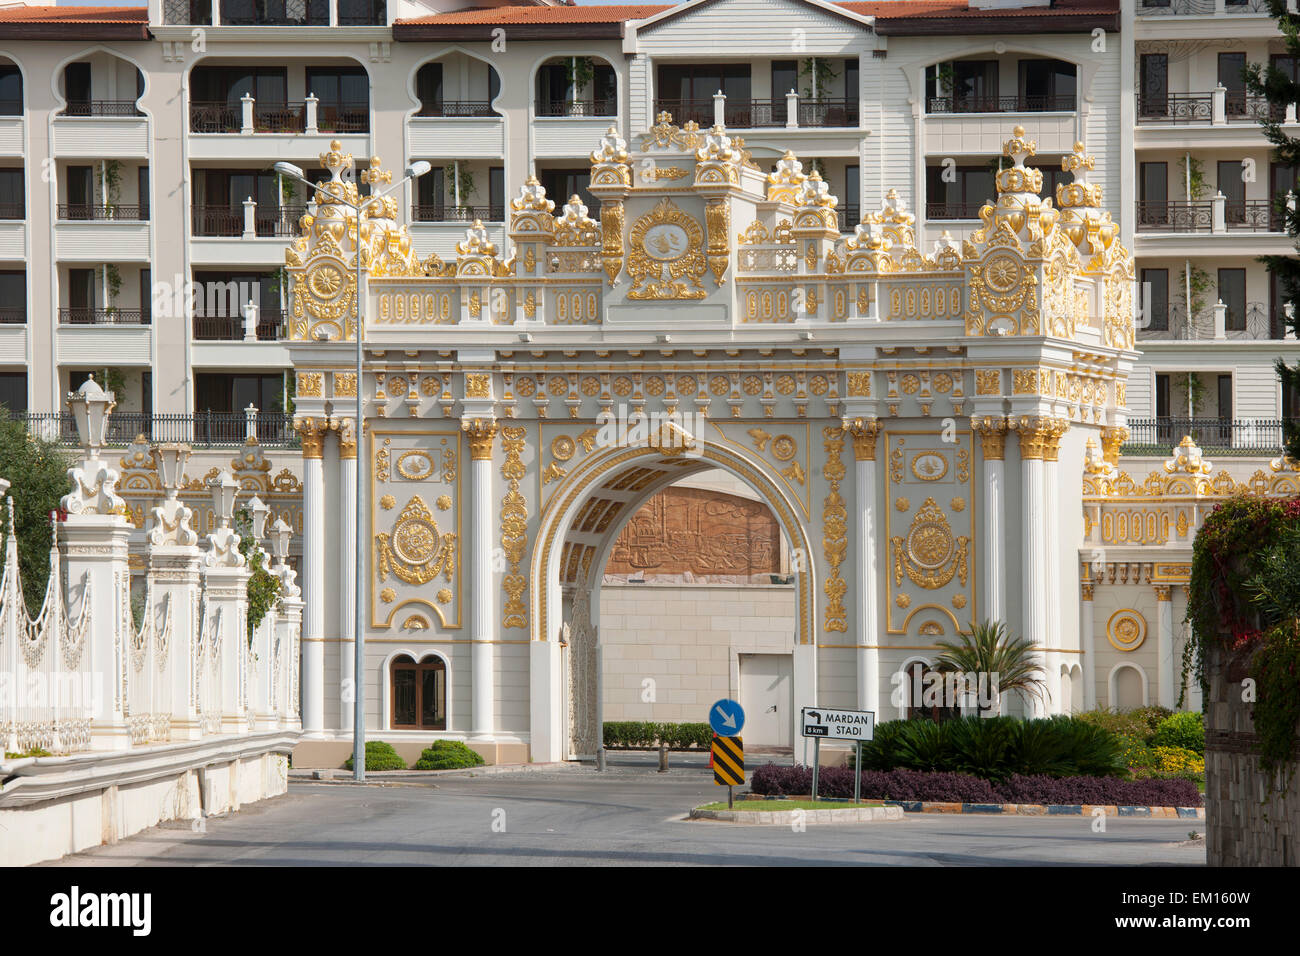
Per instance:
{"type": "Point", "coordinates": [864, 432]}
{"type": "Point", "coordinates": [992, 431]}
{"type": "Point", "coordinates": [481, 432]}
{"type": "Point", "coordinates": [1111, 438]}
{"type": "Point", "coordinates": [312, 431]}
{"type": "Point", "coordinates": [347, 429]}
{"type": "Point", "coordinates": [1086, 590]}
{"type": "Point", "coordinates": [1040, 436]}
{"type": "Point", "coordinates": [1164, 592]}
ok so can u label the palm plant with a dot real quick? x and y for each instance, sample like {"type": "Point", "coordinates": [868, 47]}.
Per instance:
{"type": "Point", "coordinates": [1011, 664]}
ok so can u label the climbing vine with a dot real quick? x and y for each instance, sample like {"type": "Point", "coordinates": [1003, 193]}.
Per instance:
{"type": "Point", "coordinates": [461, 186]}
{"type": "Point", "coordinates": [819, 72]}
{"type": "Point", "coordinates": [1197, 187]}
{"type": "Point", "coordinates": [263, 587]}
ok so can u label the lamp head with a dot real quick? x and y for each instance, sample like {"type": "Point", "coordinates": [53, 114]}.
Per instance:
{"type": "Point", "coordinates": [260, 512]}
{"type": "Point", "coordinates": [418, 169]}
{"type": "Point", "coordinates": [289, 169]}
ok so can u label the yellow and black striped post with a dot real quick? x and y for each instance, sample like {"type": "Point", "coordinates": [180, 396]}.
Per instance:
{"type": "Point", "coordinates": [728, 763]}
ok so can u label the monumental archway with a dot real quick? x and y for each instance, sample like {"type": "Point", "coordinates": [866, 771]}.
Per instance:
{"type": "Point", "coordinates": [714, 316]}
{"type": "Point", "coordinates": [579, 526]}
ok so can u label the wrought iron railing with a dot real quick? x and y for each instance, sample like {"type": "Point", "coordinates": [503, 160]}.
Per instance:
{"type": "Point", "coordinates": [1254, 322]}
{"type": "Point", "coordinates": [13, 210]}
{"type": "Point", "coordinates": [1253, 215]}
{"type": "Point", "coordinates": [187, 12]}
{"type": "Point", "coordinates": [1216, 436]}
{"type": "Point", "coordinates": [362, 13]}
{"type": "Point", "coordinates": [109, 316]}
{"type": "Point", "coordinates": [578, 108]}
{"type": "Point", "coordinates": [458, 109]}
{"type": "Point", "coordinates": [1175, 216]}
{"type": "Point", "coordinates": [444, 213]}
{"type": "Point", "coordinates": [201, 429]}
{"type": "Point", "coordinates": [850, 214]}
{"type": "Point", "coordinates": [112, 213]}
{"type": "Point", "coordinates": [953, 210]}
{"type": "Point", "coordinates": [215, 117]}
{"type": "Point", "coordinates": [1030, 103]}
{"type": "Point", "coordinates": [269, 117]}
{"type": "Point", "coordinates": [13, 315]}
{"type": "Point", "coordinates": [102, 108]}
{"type": "Point", "coordinates": [343, 117]}
{"type": "Point", "coordinates": [1243, 107]}
{"type": "Point", "coordinates": [1200, 8]}
{"type": "Point", "coordinates": [1176, 108]}
{"type": "Point", "coordinates": [269, 221]}
{"type": "Point", "coordinates": [218, 221]}
{"type": "Point", "coordinates": [230, 328]}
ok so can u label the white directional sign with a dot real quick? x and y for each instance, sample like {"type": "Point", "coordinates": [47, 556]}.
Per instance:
{"type": "Point", "coordinates": [838, 724]}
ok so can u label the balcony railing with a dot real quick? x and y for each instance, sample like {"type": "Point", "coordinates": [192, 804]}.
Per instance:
{"type": "Point", "coordinates": [102, 108]}
{"type": "Point", "coordinates": [275, 13]}
{"type": "Point", "coordinates": [1177, 216]}
{"type": "Point", "coordinates": [1201, 8]}
{"type": "Point", "coordinates": [1246, 108]}
{"type": "Point", "coordinates": [1030, 103]}
{"type": "Point", "coordinates": [229, 328]}
{"type": "Point", "coordinates": [13, 210]}
{"type": "Point", "coordinates": [187, 12]}
{"type": "Point", "coordinates": [953, 210]}
{"type": "Point", "coordinates": [455, 109]}
{"type": "Point", "coordinates": [1253, 215]}
{"type": "Point", "coordinates": [201, 429]}
{"type": "Point", "coordinates": [850, 214]}
{"type": "Point", "coordinates": [362, 13]}
{"type": "Point", "coordinates": [754, 114]}
{"type": "Point", "coordinates": [437, 213]}
{"type": "Point", "coordinates": [13, 316]}
{"type": "Point", "coordinates": [112, 213]}
{"type": "Point", "coordinates": [343, 117]}
{"type": "Point", "coordinates": [109, 316]}
{"type": "Point", "coordinates": [1257, 323]}
{"type": "Point", "coordinates": [1218, 437]}
{"type": "Point", "coordinates": [577, 108]}
{"type": "Point", "coordinates": [1176, 108]}
{"type": "Point", "coordinates": [268, 221]}
{"type": "Point", "coordinates": [215, 117]}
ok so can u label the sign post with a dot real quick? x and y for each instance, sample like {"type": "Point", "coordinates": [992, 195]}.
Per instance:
{"type": "Point", "coordinates": [727, 717]}
{"type": "Point", "coordinates": [821, 723]}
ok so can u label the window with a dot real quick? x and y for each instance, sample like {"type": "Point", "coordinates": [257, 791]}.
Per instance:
{"type": "Point", "coordinates": [700, 82]}
{"type": "Point", "coordinates": [1277, 302]}
{"type": "Point", "coordinates": [344, 95]}
{"type": "Point", "coordinates": [11, 96]}
{"type": "Point", "coordinates": [1162, 396]}
{"type": "Point", "coordinates": [1225, 397]}
{"type": "Point", "coordinates": [13, 298]}
{"type": "Point", "coordinates": [558, 96]}
{"type": "Point", "coordinates": [12, 204]}
{"type": "Point", "coordinates": [419, 696]}
{"type": "Point", "coordinates": [962, 86]}
{"type": "Point", "coordinates": [1047, 85]}
{"type": "Point", "coordinates": [13, 391]}
{"type": "Point", "coordinates": [851, 82]}
{"type": "Point", "coordinates": [142, 190]}
{"type": "Point", "coordinates": [497, 193]}
{"type": "Point", "coordinates": [1153, 195]}
{"type": "Point", "coordinates": [1155, 299]}
{"type": "Point", "coordinates": [1153, 97]}
{"type": "Point", "coordinates": [1232, 293]}
{"type": "Point", "coordinates": [81, 289]}
{"type": "Point", "coordinates": [1231, 66]}
{"type": "Point", "coordinates": [76, 88]}
{"type": "Point", "coordinates": [227, 84]}
{"type": "Point", "coordinates": [1290, 402]}
{"type": "Point", "coordinates": [229, 392]}
{"type": "Point", "coordinates": [146, 296]}
{"type": "Point", "coordinates": [431, 196]}
{"type": "Point", "coordinates": [1233, 188]}
{"type": "Point", "coordinates": [428, 87]}
{"type": "Point", "coordinates": [961, 198]}
{"type": "Point", "coordinates": [852, 204]}
{"type": "Point", "coordinates": [785, 77]}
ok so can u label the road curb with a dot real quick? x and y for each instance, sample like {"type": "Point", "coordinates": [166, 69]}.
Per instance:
{"type": "Point", "coordinates": [785, 818]}
{"type": "Point", "coordinates": [416, 776]}
{"type": "Point", "coordinates": [1051, 809]}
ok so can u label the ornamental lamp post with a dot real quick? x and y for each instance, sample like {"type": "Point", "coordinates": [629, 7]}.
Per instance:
{"type": "Point", "coordinates": [170, 460]}
{"type": "Point", "coordinates": [260, 512]}
{"type": "Point", "coordinates": [413, 171]}
{"type": "Point", "coordinates": [223, 489]}
{"type": "Point", "coordinates": [280, 533]}
{"type": "Point", "coordinates": [90, 406]}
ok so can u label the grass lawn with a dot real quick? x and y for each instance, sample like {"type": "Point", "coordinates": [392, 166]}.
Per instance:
{"type": "Point", "coordinates": [792, 805]}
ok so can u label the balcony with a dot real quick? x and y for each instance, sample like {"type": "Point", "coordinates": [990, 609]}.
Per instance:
{"type": "Point", "coordinates": [82, 108]}
{"type": "Point", "coordinates": [1217, 437]}
{"type": "Point", "coordinates": [1002, 104]}
{"type": "Point", "coordinates": [850, 214]}
{"type": "Point", "coordinates": [576, 108]}
{"type": "Point", "coordinates": [201, 429]}
{"type": "Point", "coordinates": [111, 316]}
{"type": "Point", "coordinates": [76, 212]}
{"type": "Point", "coordinates": [252, 116]}
{"type": "Point", "coordinates": [1217, 215]}
{"type": "Point", "coordinates": [102, 129]}
{"type": "Point", "coordinates": [13, 316]}
{"type": "Point", "coordinates": [250, 222]}
{"type": "Point", "coordinates": [459, 109]}
{"type": "Point", "coordinates": [1216, 108]}
{"type": "Point", "coordinates": [362, 13]}
{"type": "Point", "coordinates": [953, 210]}
{"type": "Point", "coordinates": [1203, 8]}
{"type": "Point", "coordinates": [1258, 323]}
{"type": "Point", "coordinates": [466, 214]}
{"type": "Point", "coordinates": [13, 211]}
{"type": "Point", "coordinates": [229, 328]}
{"type": "Point", "coordinates": [789, 112]}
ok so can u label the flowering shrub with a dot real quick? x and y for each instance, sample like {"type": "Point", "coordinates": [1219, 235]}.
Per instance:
{"type": "Point", "coordinates": [1180, 761]}
{"type": "Point", "coordinates": [771, 779]}
{"type": "Point", "coordinates": [1186, 730]}
{"type": "Point", "coordinates": [1135, 753]}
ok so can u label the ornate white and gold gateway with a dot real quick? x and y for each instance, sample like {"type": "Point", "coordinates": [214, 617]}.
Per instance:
{"type": "Point", "coordinates": [915, 419]}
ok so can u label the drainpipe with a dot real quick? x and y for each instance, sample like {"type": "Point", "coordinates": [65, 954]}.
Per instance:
{"type": "Point", "coordinates": [1187, 290]}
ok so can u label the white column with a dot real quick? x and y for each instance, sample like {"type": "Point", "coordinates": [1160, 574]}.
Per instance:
{"type": "Point", "coordinates": [1052, 567]}
{"type": "Point", "coordinates": [867, 610]}
{"type": "Point", "coordinates": [348, 573]}
{"type": "Point", "coordinates": [246, 114]}
{"type": "Point", "coordinates": [1166, 692]}
{"type": "Point", "coordinates": [226, 589]}
{"type": "Point", "coordinates": [95, 554]}
{"type": "Point", "coordinates": [313, 559]}
{"type": "Point", "coordinates": [1033, 547]}
{"type": "Point", "coordinates": [1087, 613]}
{"type": "Point", "coordinates": [482, 594]}
{"type": "Point", "coordinates": [791, 109]}
{"type": "Point", "coordinates": [993, 437]}
{"type": "Point", "coordinates": [250, 218]}
{"type": "Point", "coordinates": [174, 573]}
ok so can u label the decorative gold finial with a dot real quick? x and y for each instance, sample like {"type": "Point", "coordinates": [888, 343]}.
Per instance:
{"type": "Point", "coordinates": [375, 175]}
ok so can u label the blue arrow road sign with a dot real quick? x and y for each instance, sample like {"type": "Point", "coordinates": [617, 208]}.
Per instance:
{"type": "Point", "coordinates": [726, 717]}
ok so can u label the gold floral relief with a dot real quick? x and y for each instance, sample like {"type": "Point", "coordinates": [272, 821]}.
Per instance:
{"type": "Point", "coordinates": [834, 530]}
{"type": "Point", "coordinates": [514, 528]}
{"type": "Point", "coordinates": [928, 554]}
{"type": "Point", "coordinates": [414, 550]}
{"type": "Point", "coordinates": [666, 260]}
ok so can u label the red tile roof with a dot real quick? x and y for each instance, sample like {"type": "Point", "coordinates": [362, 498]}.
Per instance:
{"type": "Point", "coordinates": [616, 13]}
{"type": "Point", "coordinates": [74, 15]}
{"type": "Point", "coordinates": [916, 9]}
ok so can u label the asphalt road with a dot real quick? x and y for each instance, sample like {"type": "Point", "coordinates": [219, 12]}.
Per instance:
{"type": "Point", "coordinates": [629, 815]}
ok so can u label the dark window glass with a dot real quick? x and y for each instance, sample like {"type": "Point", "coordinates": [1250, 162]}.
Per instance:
{"type": "Point", "coordinates": [81, 288]}
{"type": "Point", "coordinates": [1162, 396]}
{"type": "Point", "coordinates": [11, 91]}
{"type": "Point", "coordinates": [142, 190]}
{"type": "Point", "coordinates": [700, 82]}
{"type": "Point", "coordinates": [1153, 96]}
{"type": "Point", "coordinates": [1232, 293]}
{"type": "Point", "coordinates": [561, 184]}
{"type": "Point", "coordinates": [226, 392]}
{"type": "Point", "coordinates": [1230, 182]}
{"type": "Point", "coordinates": [1230, 72]}
{"type": "Point", "coordinates": [428, 87]}
{"type": "Point", "coordinates": [1155, 298]}
{"type": "Point", "coordinates": [1225, 396]}
{"type": "Point", "coordinates": [497, 193]}
{"type": "Point", "coordinates": [851, 79]}
{"type": "Point", "coordinates": [404, 694]}
{"type": "Point", "coordinates": [1154, 183]}
{"type": "Point", "coordinates": [12, 200]}
{"type": "Point", "coordinates": [419, 694]}
{"type": "Point", "coordinates": [1047, 84]}
{"type": "Point", "coordinates": [76, 83]}
{"type": "Point", "coordinates": [13, 391]}
{"type": "Point", "coordinates": [785, 77]}
{"type": "Point", "coordinates": [13, 297]}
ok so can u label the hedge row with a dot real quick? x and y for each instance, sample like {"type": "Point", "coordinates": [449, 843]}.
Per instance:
{"type": "Point", "coordinates": [964, 788]}
{"type": "Point", "coordinates": [629, 734]}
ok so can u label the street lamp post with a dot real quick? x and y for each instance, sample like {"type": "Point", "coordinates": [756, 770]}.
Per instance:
{"type": "Point", "coordinates": [414, 171]}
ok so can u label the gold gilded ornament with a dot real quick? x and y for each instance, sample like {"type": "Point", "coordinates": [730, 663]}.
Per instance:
{"type": "Point", "coordinates": [415, 551]}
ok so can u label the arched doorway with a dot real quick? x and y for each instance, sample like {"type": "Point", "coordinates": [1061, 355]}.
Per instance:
{"type": "Point", "coordinates": [580, 527]}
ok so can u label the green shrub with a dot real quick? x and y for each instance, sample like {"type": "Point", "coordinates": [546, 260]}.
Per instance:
{"type": "Point", "coordinates": [1122, 724]}
{"type": "Point", "coordinates": [447, 755]}
{"type": "Point", "coordinates": [1151, 716]}
{"type": "Point", "coordinates": [627, 734]}
{"type": "Point", "coordinates": [1186, 730]}
{"type": "Point", "coordinates": [995, 747]}
{"type": "Point", "coordinates": [1135, 754]}
{"type": "Point", "coordinates": [380, 756]}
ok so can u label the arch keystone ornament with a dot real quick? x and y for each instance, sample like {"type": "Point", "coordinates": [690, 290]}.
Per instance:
{"type": "Point", "coordinates": [716, 315]}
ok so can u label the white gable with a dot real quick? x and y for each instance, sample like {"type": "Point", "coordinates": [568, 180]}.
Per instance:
{"type": "Point", "coordinates": [790, 28]}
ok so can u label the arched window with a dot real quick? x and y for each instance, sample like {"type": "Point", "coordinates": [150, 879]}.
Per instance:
{"type": "Point", "coordinates": [419, 694]}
